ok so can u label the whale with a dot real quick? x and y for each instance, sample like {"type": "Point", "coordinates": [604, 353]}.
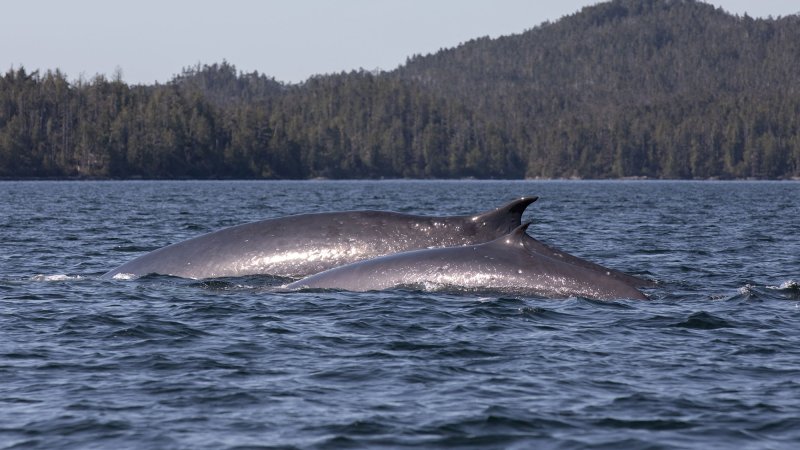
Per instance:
{"type": "Point", "coordinates": [300, 245]}
{"type": "Point", "coordinates": [504, 265]}
{"type": "Point", "coordinates": [537, 246]}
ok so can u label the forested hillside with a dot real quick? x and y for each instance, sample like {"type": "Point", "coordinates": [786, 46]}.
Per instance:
{"type": "Point", "coordinates": [656, 88]}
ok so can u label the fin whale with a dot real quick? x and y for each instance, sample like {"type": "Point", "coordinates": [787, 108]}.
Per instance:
{"type": "Point", "coordinates": [537, 246]}
{"type": "Point", "coordinates": [300, 245]}
{"type": "Point", "coordinates": [504, 265]}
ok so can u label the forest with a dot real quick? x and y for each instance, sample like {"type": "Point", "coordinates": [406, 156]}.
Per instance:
{"type": "Point", "coordinates": [626, 88]}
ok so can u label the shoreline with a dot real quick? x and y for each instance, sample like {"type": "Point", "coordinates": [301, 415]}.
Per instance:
{"type": "Point", "coordinates": [578, 179]}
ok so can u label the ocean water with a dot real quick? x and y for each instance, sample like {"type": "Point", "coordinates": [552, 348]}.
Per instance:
{"type": "Point", "coordinates": [712, 360]}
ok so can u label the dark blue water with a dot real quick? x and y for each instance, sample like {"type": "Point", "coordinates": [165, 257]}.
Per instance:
{"type": "Point", "coordinates": [711, 361]}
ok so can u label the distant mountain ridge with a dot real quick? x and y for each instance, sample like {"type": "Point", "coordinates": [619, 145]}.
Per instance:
{"type": "Point", "coordinates": [650, 57]}
{"type": "Point", "coordinates": [614, 47]}
{"type": "Point", "coordinates": [645, 88]}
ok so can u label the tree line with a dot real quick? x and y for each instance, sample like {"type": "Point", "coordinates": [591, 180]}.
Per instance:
{"type": "Point", "coordinates": [627, 88]}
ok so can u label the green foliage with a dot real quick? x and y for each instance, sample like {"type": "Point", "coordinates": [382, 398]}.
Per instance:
{"type": "Point", "coordinates": [653, 88]}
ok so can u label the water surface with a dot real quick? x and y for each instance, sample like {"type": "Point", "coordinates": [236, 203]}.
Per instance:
{"type": "Point", "coordinates": [711, 361]}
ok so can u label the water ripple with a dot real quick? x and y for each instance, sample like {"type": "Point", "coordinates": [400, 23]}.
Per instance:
{"type": "Point", "coordinates": [704, 321]}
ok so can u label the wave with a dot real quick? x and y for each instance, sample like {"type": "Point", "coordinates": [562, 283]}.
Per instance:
{"type": "Point", "coordinates": [704, 321]}
{"type": "Point", "coordinates": [788, 286]}
{"type": "Point", "coordinates": [56, 277]}
{"type": "Point", "coordinates": [789, 289]}
{"type": "Point", "coordinates": [124, 276]}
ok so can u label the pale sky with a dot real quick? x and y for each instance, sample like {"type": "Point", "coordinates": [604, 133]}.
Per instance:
{"type": "Point", "coordinates": [152, 40]}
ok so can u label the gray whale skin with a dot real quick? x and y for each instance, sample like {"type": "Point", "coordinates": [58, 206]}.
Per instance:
{"type": "Point", "coordinates": [304, 244]}
{"type": "Point", "coordinates": [505, 265]}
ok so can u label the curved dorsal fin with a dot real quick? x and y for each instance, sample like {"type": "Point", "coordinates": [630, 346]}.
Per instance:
{"type": "Point", "coordinates": [517, 235]}
{"type": "Point", "coordinates": [515, 238]}
{"type": "Point", "coordinates": [506, 217]}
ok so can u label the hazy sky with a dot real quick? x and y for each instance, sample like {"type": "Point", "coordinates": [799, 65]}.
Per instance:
{"type": "Point", "coordinates": [289, 39]}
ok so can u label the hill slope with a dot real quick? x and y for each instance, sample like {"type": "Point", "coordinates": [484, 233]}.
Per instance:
{"type": "Point", "coordinates": [653, 87]}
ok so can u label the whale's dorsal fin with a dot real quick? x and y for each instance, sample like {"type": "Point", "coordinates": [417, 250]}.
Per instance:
{"type": "Point", "coordinates": [517, 236]}
{"type": "Point", "coordinates": [506, 217]}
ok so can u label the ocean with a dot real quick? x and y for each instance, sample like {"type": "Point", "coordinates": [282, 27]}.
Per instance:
{"type": "Point", "coordinates": [711, 360]}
